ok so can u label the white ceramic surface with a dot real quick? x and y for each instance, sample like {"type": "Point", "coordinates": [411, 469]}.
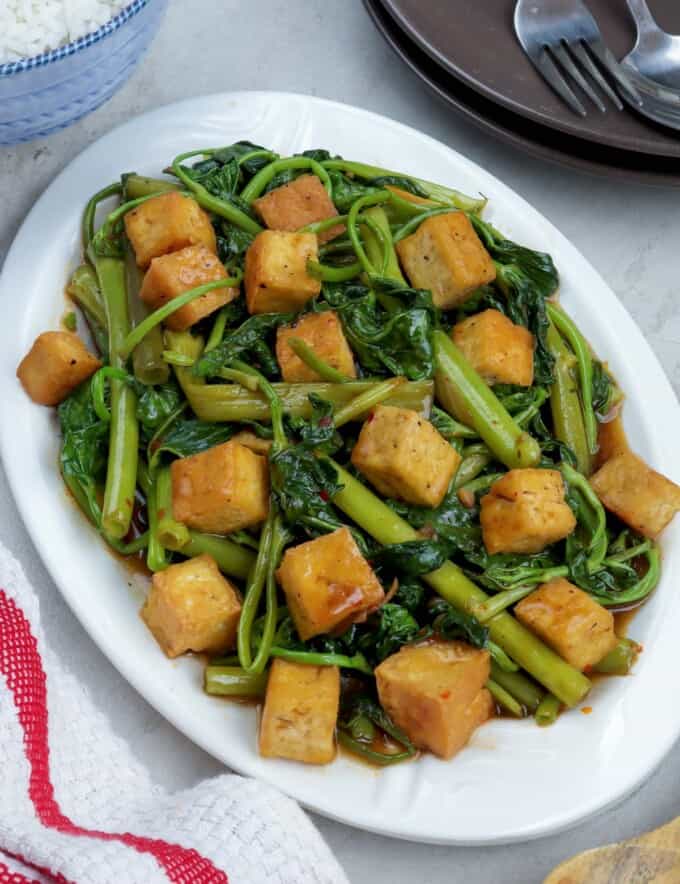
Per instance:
{"type": "Point", "coordinates": [515, 781]}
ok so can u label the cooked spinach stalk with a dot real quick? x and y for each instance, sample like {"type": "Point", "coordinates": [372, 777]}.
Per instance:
{"type": "Point", "coordinates": [164, 395]}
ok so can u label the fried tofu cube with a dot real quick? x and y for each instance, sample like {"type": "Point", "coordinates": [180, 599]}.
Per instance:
{"type": "Point", "coordinates": [570, 621]}
{"type": "Point", "coordinates": [193, 607]}
{"type": "Point", "coordinates": [500, 351]}
{"type": "Point", "coordinates": [297, 204]}
{"type": "Point", "coordinates": [221, 490]}
{"type": "Point", "coordinates": [525, 511]}
{"type": "Point", "coordinates": [446, 256]}
{"type": "Point", "coordinates": [402, 455]}
{"type": "Point", "coordinates": [637, 494]}
{"type": "Point", "coordinates": [327, 582]}
{"type": "Point", "coordinates": [167, 223]}
{"type": "Point", "coordinates": [56, 364]}
{"type": "Point", "coordinates": [300, 712]}
{"type": "Point", "coordinates": [435, 693]}
{"type": "Point", "coordinates": [276, 278]}
{"type": "Point", "coordinates": [169, 276]}
{"type": "Point", "coordinates": [323, 333]}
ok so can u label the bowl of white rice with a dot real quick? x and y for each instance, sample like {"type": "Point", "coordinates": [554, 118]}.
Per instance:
{"type": "Point", "coordinates": [60, 59]}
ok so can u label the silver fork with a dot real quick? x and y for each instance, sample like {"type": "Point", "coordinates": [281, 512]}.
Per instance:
{"type": "Point", "coordinates": [564, 42]}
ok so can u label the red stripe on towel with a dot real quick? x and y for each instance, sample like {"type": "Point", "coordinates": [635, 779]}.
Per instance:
{"type": "Point", "coordinates": [21, 665]}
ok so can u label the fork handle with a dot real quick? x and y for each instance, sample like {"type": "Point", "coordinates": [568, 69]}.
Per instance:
{"type": "Point", "coordinates": [642, 15]}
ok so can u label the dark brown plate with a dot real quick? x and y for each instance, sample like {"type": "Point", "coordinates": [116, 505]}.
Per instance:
{"type": "Point", "coordinates": [539, 141]}
{"type": "Point", "coordinates": [475, 42]}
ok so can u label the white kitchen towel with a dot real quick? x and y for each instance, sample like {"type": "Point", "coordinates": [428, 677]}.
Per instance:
{"type": "Point", "coordinates": [76, 806]}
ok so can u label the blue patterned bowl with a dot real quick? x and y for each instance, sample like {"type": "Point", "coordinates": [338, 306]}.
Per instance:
{"type": "Point", "coordinates": [47, 92]}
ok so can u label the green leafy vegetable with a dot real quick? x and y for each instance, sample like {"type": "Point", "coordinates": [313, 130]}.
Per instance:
{"type": "Point", "coordinates": [185, 437]}
{"type": "Point", "coordinates": [305, 486]}
{"type": "Point", "coordinates": [410, 595]}
{"type": "Point", "coordinates": [605, 391]}
{"type": "Point", "coordinates": [318, 433]}
{"type": "Point", "coordinates": [347, 191]}
{"type": "Point", "coordinates": [155, 404]}
{"type": "Point", "coordinates": [232, 243]}
{"type": "Point", "coordinates": [450, 623]}
{"type": "Point", "coordinates": [248, 341]}
{"type": "Point", "coordinates": [84, 449]}
{"type": "Point", "coordinates": [450, 522]}
{"type": "Point", "coordinates": [414, 557]}
{"type": "Point", "coordinates": [390, 628]}
{"type": "Point", "coordinates": [396, 340]}
{"type": "Point", "coordinates": [360, 714]}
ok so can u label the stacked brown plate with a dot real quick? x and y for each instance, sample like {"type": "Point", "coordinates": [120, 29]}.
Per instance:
{"type": "Point", "coordinates": [467, 53]}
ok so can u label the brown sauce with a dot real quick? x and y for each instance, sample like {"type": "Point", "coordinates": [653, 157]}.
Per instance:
{"type": "Point", "coordinates": [623, 619]}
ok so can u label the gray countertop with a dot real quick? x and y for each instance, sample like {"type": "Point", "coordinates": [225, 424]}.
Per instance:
{"type": "Point", "coordinates": [630, 233]}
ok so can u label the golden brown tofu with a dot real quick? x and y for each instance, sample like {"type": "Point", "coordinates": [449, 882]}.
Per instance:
{"type": "Point", "coordinates": [297, 204]}
{"type": "Point", "coordinates": [276, 278]}
{"type": "Point", "coordinates": [446, 256]}
{"type": "Point", "coordinates": [637, 494]}
{"type": "Point", "coordinates": [404, 456]}
{"type": "Point", "coordinates": [570, 621]}
{"type": "Point", "coordinates": [323, 333]}
{"type": "Point", "coordinates": [169, 276]}
{"type": "Point", "coordinates": [525, 511]}
{"type": "Point", "coordinates": [435, 693]}
{"type": "Point", "coordinates": [327, 583]}
{"type": "Point", "coordinates": [221, 490]}
{"type": "Point", "coordinates": [55, 365]}
{"type": "Point", "coordinates": [167, 223]}
{"type": "Point", "coordinates": [192, 607]}
{"type": "Point", "coordinates": [500, 351]}
{"type": "Point", "coordinates": [300, 712]}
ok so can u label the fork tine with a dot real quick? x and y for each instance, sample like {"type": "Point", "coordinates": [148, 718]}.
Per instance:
{"type": "Point", "coordinates": [577, 49]}
{"type": "Point", "coordinates": [551, 72]}
{"type": "Point", "coordinates": [605, 57]}
{"type": "Point", "coordinates": [567, 63]}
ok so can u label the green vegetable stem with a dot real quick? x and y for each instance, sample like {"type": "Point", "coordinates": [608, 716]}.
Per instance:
{"type": "Point", "coordinates": [565, 402]}
{"type": "Point", "coordinates": [137, 186]}
{"type": "Point", "coordinates": [121, 476]}
{"type": "Point", "coordinates": [228, 210]}
{"type": "Point", "coordinates": [232, 681]}
{"type": "Point", "coordinates": [172, 534]}
{"type": "Point", "coordinates": [258, 182]}
{"type": "Point", "coordinates": [232, 559]}
{"type": "Point", "coordinates": [83, 289]}
{"type": "Point", "coordinates": [147, 358]}
{"type": "Point", "coordinates": [135, 337]}
{"type": "Point", "coordinates": [156, 557]}
{"type": "Point", "coordinates": [379, 243]}
{"type": "Point", "coordinates": [505, 699]}
{"type": "Point", "coordinates": [620, 660]}
{"type": "Point", "coordinates": [518, 686]}
{"type": "Point", "coordinates": [325, 371]}
{"type": "Point", "coordinates": [437, 192]}
{"type": "Point", "coordinates": [461, 390]}
{"type": "Point", "coordinates": [547, 711]}
{"type": "Point", "coordinates": [375, 517]}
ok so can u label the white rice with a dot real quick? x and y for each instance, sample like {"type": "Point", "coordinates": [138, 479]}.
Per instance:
{"type": "Point", "coordinates": [30, 27]}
